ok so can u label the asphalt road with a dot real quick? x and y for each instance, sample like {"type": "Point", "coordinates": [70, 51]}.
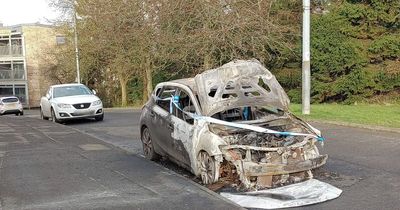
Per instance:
{"type": "Point", "coordinates": [364, 163]}
{"type": "Point", "coordinates": [44, 165]}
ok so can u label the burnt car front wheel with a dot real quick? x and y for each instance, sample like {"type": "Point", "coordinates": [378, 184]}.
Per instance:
{"type": "Point", "coordinates": [148, 148]}
{"type": "Point", "coordinates": [208, 168]}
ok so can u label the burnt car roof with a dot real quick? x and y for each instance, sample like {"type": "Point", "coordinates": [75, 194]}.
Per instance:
{"type": "Point", "coordinates": [189, 82]}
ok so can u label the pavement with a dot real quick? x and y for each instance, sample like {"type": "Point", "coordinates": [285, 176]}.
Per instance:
{"type": "Point", "coordinates": [44, 165]}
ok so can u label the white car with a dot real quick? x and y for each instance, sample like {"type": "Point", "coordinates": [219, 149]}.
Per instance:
{"type": "Point", "coordinates": [11, 105]}
{"type": "Point", "coordinates": [70, 101]}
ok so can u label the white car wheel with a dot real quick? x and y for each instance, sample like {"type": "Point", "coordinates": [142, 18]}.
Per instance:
{"type": "Point", "coordinates": [53, 117]}
{"type": "Point", "coordinates": [42, 116]}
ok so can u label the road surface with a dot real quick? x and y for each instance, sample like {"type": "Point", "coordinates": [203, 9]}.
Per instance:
{"type": "Point", "coordinates": [364, 163]}
{"type": "Point", "coordinates": [44, 165]}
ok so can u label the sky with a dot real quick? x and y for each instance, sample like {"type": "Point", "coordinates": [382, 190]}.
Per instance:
{"type": "Point", "coordinates": [14, 12]}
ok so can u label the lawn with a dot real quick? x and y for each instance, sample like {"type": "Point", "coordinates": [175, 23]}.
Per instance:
{"type": "Point", "coordinates": [375, 115]}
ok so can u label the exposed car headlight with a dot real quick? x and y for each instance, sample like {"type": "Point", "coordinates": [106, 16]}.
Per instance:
{"type": "Point", "coordinates": [64, 106]}
{"type": "Point", "coordinates": [95, 103]}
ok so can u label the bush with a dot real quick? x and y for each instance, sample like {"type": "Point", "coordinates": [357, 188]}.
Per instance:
{"type": "Point", "coordinates": [295, 95]}
{"type": "Point", "coordinates": [351, 59]}
{"type": "Point", "coordinates": [385, 47]}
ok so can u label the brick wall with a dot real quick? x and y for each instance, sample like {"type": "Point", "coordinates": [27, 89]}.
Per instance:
{"type": "Point", "coordinates": [37, 40]}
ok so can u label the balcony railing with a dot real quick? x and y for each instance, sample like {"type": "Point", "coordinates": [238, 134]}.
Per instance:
{"type": "Point", "coordinates": [14, 51]}
{"type": "Point", "coordinates": [5, 74]}
{"type": "Point", "coordinates": [17, 74]}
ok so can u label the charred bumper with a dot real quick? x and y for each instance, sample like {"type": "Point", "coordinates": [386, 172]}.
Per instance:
{"type": "Point", "coordinates": [263, 167]}
{"type": "Point", "coordinates": [266, 169]}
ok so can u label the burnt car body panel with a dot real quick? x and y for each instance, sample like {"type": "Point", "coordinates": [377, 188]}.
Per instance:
{"type": "Point", "coordinates": [258, 160]}
{"type": "Point", "coordinates": [238, 84]}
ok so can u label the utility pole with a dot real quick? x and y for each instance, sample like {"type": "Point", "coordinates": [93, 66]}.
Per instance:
{"type": "Point", "coordinates": [306, 72]}
{"type": "Point", "coordinates": [78, 77]}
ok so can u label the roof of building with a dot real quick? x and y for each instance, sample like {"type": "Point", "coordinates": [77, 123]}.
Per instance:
{"type": "Point", "coordinates": [27, 24]}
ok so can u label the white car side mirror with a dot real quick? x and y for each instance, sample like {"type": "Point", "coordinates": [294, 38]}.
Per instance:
{"type": "Point", "coordinates": [94, 92]}
{"type": "Point", "coordinates": [48, 96]}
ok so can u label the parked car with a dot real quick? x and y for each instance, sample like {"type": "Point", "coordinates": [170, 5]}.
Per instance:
{"type": "Point", "coordinates": [70, 101]}
{"type": "Point", "coordinates": [230, 123]}
{"type": "Point", "coordinates": [11, 105]}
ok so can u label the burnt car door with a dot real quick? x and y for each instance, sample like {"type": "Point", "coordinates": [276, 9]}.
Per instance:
{"type": "Point", "coordinates": [183, 126]}
{"type": "Point", "coordinates": [161, 119]}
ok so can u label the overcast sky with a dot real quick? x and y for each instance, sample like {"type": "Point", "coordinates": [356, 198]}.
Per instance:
{"type": "Point", "coordinates": [14, 12]}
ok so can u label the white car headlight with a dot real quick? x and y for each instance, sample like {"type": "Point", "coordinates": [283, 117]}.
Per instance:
{"type": "Point", "coordinates": [96, 103]}
{"type": "Point", "coordinates": [64, 106]}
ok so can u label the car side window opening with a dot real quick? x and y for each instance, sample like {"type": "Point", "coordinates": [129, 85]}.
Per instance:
{"type": "Point", "coordinates": [164, 97]}
{"type": "Point", "coordinates": [185, 104]}
{"type": "Point", "coordinates": [157, 92]}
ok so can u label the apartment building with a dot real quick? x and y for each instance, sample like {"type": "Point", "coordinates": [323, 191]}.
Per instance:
{"type": "Point", "coordinates": [22, 61]}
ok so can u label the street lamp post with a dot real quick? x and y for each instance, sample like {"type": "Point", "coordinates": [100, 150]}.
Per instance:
{"type": "Point", "coordinates": [306, 72]}
{"type": "Point", "coordinates": [78, 78]}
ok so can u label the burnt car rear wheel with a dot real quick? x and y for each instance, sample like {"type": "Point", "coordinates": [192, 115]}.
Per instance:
{"type": "Point", "coordinates": [208, 168]}
{"type": "Point", "coordinates": [148, 148]}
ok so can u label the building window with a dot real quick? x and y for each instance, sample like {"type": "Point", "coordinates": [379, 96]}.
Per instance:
{"type": "Point", "coordinates": [16, 47]}
{"type": "Point", "coordinates": [18, 90]}
{"type": "Point", "coordinates": [6, 90]}
{"type": "Point", "coordinates": [4, 47]}
{"type": "Point", "coordinates": [12, 70]}
{"type": "Point", "coordinates": [19, 71]}
{"type": "Point", "coordinates": [5, 71]}
{"type": "Point", "coordinates": [60, 40]}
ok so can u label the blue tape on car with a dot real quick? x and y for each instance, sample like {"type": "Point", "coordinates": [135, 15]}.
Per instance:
{"type": "Point", "coordinates": [245, 126]}
{"type": "Point", "coordinates": [246, 113]}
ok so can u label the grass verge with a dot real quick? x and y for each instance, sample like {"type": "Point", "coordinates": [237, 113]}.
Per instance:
{"type": "Point", "coordinates": [375, 115]}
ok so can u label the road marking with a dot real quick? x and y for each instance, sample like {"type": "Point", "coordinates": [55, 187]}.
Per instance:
{"type": "Point", "coordinates": [93, 147]}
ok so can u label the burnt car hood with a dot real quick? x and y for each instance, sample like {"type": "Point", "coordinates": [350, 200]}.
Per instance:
{"type": "Point", "coordinates": [237, 84]}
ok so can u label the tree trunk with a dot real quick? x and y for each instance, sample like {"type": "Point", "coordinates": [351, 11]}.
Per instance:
{"type": "Point", "coordinates": [124, 94]}
{"type": "Point", "coordinates": [144, 91]}
{"type": "Point", "coordinates": [148, 79]}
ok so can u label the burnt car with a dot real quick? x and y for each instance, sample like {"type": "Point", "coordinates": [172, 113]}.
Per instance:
{"type": "Point", "coordinates": [230, 123]}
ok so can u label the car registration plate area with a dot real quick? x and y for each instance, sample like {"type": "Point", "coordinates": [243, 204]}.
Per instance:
{"type": "Point", "coordinates": [82, 112]}
{"type": "Point", "coordinates": [10, 106]}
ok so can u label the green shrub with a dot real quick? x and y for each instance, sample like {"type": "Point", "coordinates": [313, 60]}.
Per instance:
{"type": "Point", "coordinates": [295, 95]}
{"type": "Point", "coordinates": [385, 47]}
{"type": "Point", "coordinates": [349, 54]}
